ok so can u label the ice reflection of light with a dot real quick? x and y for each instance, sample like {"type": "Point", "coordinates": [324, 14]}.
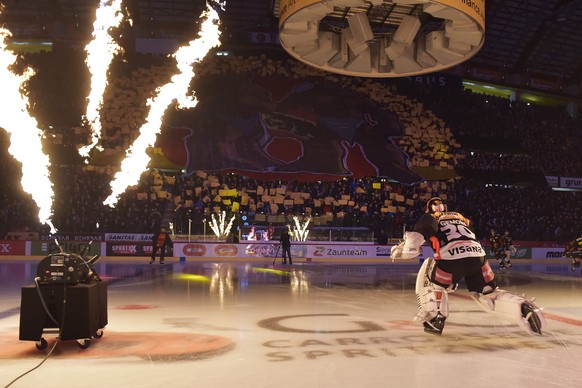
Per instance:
{"type": "Point", "coordinates": [221, 282]}
{"type": "Point", "coordinates": [192, 277]}
{"type": "Point", "coordinates": [271, 270]}
{"type": "Point", "coordinates": [299, 283]}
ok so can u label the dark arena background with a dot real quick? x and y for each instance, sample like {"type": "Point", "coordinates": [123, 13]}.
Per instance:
{"type": "Point", "coordinates": [270, 144]}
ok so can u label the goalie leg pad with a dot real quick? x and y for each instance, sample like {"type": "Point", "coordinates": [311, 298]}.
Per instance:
{"type": "Point", "coordinates": [432, 299]}
{"type": "Point", "coordinates": [513, 308]}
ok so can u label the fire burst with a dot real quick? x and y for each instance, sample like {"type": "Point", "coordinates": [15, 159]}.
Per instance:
{"type": "Point", "coordinates": [220, 228]}
{"type": "Point", "coordinates": [25, 136]}
{"type": "Point", "coordinates": [100, 53]}
{"type": "Point", "coordinates": [136, 161]}
{"type": "Point", "coordinates": [301, 230]}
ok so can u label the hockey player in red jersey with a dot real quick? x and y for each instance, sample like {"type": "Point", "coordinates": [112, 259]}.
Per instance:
{"type": "Point", "coordinates": [458, 254]}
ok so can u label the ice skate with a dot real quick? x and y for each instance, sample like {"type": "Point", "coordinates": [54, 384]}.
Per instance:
{"type": "Point", "coordinates": [435, 325]}
{"type": "Point", "coordinates": [529, 313]}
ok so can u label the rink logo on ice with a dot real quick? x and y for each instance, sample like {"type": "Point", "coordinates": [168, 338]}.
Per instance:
{"type": "Point", "coordinates": [351, 326]}
{"type": "Point", "coordinates": [352, 337]}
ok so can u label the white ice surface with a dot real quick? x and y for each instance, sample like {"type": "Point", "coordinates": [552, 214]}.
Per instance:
{"type": "Point", "coordinates": [339, 326]}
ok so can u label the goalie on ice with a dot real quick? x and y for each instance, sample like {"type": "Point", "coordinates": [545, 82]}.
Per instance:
{"type": "Point", "coordinates": [458, 254]}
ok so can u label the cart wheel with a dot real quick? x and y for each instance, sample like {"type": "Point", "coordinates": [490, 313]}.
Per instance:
{"type": "Point", "coordinates": [98, 334]}
{"type": "Point", "coordinates": [84, 343]}
{"type": "Point", "coordinates": [42, 344]}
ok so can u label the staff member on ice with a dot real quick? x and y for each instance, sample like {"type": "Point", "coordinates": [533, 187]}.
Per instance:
{"type": "Point", "coordinates": [160, 241]}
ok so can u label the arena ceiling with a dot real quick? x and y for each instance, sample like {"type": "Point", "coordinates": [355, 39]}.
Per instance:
{"type": "Point", "coordinates": [538, 36]}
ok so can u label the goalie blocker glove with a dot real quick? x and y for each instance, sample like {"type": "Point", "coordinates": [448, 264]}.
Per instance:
{"type": "Point", "coordinates": [409, 248]}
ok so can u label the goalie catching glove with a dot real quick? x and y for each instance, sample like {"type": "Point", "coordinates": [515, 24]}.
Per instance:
{"type": "Point", "coordinates": [409, 248]}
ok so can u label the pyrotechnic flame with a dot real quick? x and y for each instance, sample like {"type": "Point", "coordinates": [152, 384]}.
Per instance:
{"type": "Point", "coordinates": [136, 160]}
{"type": "Point", "coordinates": [100, 53]}
{"type": "Point", "coordinates": [301, 230]}
{"type": "Point", "coordinates": [220, 228]}
{"type": "Point", "coordinates": [25, 136]}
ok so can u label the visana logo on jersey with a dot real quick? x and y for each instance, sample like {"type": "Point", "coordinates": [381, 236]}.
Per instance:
{"type": "Point", "coordinates": [465, 249]}
{"type": "Point", "coordinates": [460, 249]}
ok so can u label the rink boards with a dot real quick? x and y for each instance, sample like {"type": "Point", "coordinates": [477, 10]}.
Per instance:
{"type": "Point", "coordinates": [307, 251]}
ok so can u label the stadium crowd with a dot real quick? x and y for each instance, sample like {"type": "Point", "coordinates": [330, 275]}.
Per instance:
{"type": "Point", "coordinates": [528, 141]}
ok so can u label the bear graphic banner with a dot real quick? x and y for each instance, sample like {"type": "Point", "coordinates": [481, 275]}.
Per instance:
{"type": "Point", "coordinates": [300, 129]}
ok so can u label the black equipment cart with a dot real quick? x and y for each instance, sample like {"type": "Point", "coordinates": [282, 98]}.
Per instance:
{"type": "Point", "coordinates": [68, 298]}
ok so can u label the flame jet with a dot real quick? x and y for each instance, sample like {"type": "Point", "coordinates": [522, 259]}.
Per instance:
{"type": "Point", "coordinates": [136, 160]}
{"type": "Point", "coordinates": [301, 230]}
{"type": "Point", "coordinates": [100, 52]}
{"type": "Point", "coordinates": [25, 136]}
{"type": "Point", "coordinates": [220, 228]}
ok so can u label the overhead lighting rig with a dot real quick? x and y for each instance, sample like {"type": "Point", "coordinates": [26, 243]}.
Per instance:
{"type": "Point", "coordinates": [381, 38]}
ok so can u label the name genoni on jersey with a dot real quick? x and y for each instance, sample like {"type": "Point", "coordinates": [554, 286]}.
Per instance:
{"type": "Point", "coordinates": [449, 222]}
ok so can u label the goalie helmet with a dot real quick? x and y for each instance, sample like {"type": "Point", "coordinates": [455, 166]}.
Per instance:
{"type": "Point", "coordinates": [435, 205]}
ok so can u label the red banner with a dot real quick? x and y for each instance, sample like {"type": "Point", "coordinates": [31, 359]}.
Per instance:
{"type": "Point", "coordinates": [12, 248]}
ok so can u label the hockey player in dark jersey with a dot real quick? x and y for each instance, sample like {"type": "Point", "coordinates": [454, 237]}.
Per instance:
{"type": "Point", "coordinates": [508, 250]}
{"type": "Point", "coordinates": [497, 248]}
{"type": "Point", "coordinates": [574, 251]}
{"type": "Point", "coordinates": [458, 254]}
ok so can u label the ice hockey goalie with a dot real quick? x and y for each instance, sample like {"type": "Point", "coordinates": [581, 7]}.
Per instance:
{"type": "Point", "coordinates": [457, 255]}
